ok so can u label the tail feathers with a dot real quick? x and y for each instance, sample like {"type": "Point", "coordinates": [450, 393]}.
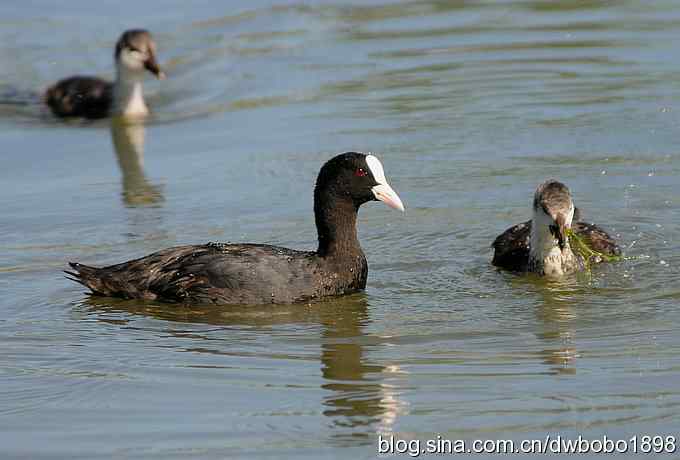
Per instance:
{"type": "Point", "coordinates": [85, 275]}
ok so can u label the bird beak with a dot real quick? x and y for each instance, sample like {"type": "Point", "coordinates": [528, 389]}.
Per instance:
{"type": "Point", "coordinates": [152, 66]}
{"type": "Point", "coordinates": [561, 238]}
{"type": "Point", "coordinates": [561, 231]}
{"type": "Point", "coordinates": [385, 193]}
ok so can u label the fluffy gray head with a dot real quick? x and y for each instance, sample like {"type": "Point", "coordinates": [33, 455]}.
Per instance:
{"type": "Point", "coordinates": [136, 50]}
{"type": "Point", "coordinates": [554, 198]}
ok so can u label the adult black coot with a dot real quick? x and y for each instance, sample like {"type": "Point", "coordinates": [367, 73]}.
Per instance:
{"type": "Point", "coordinates": [222, 273]}
{"type": "Point", "coordinates": [92, 97]}
{"type": "Point", "coordinates": [541, 245]}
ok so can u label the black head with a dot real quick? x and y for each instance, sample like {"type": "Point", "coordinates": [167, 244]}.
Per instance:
{"type": "Point", "coordinates": [136, 50]}
{"type": "Point", "coordinates": [358, 177]}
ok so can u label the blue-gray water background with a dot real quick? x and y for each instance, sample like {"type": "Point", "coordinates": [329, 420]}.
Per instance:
{"type": "Point", "coordinates": [469, 104]}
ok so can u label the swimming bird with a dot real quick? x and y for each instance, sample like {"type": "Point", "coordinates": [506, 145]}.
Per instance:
{"type": "Point", "coordinates": [223, 273]}
{"type": "Point", "coordinates": [541, 245]}
{"type": "Point", "coordinates": [92, 97]}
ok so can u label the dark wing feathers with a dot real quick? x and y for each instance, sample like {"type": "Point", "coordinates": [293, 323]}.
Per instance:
{"type": "Point", "coordinates": [131, 279]}
{"type": "Point", "coordinates": [210, 273]}
{"type": "Point", "coordinates": [88, 97]}
{"type": "Point", "coordinates": [511, 248]}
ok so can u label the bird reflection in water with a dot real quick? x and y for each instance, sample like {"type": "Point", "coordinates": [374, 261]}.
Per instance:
{"type": "Point", "coordinates": [360, 392]}
{"type": "Point", "coordinates": [128, 142]}
{"type": "Point", "coordinates": [558, 319]}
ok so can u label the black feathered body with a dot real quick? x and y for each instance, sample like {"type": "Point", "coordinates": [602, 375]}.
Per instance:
{"type": "Point", "coordinates": [87, 97]}
{"type": "Point", "coordinates": [512, 247]}
{"type": "Point", "coordinates": [218, 273]}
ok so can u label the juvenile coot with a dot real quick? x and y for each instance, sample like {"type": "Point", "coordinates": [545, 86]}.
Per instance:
{"type": "Point", "coordinates": [92, 97]}
{"type": "Point", "coordinates": [541, 245]}
{"type": "Point", "coordinates": [222, 273]}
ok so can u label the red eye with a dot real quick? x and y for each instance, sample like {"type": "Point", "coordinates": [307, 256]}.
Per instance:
{"type": "Point", "coordinates": [360, 172]}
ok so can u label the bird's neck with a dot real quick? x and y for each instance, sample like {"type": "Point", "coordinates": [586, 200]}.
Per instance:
{"type": "Point", "coordinates": [336, 224]}
{"type": "Point", "coordinates": [545, 255]}
{"type": "Point", "coordinates": [128, 97]}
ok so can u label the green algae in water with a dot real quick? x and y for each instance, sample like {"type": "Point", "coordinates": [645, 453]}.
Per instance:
{"type": "Point", "coordinates": [581, 248]}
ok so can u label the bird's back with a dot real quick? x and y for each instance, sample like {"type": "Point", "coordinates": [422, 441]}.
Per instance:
{"type": "Point", "coordinates": [219, 274]}
{"type": "Point", "coordinates": [87, 97]}
{"type": "Point", "coordinates": [511, 248]}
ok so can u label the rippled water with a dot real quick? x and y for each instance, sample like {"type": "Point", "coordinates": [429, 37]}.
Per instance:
{"type": "Point", "coordinates": [470, 105]}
